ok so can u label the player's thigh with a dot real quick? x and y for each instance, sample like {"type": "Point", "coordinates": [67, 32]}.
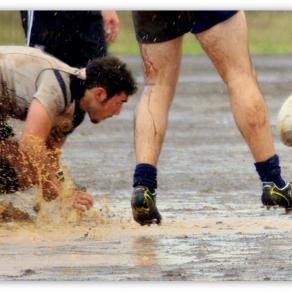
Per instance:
{"type": "Point", "coordinates": [161, 61]}
{"type": "Point", "coordinates": [227, 46]}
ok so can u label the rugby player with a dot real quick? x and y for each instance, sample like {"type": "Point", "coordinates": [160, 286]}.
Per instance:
{"type": "Point", "coordinates": [224, 37]}
{"type": "Point", "coordinates": [52, 99]}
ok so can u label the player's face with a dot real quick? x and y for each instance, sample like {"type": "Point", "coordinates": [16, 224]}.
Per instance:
{"type": "Point", "coordinates": [102, 108]}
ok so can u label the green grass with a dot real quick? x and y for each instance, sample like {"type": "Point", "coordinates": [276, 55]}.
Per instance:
{"type": "Point", "coordinates": [11, 32]}
{"type": "Point", "coordinates": [269, 33]}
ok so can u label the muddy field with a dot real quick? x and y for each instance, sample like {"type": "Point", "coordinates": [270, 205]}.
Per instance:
{"type": "Point", "coordinates": [213, 228]}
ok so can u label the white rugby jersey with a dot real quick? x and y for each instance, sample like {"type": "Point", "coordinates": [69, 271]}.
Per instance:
{"type": "Point", "coordinates": [27, 73]}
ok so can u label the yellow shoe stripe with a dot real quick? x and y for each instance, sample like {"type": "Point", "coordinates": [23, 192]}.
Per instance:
{"type": "Point", "coordinates": [273, 192]}
{"type": "Point", "coordinates": [147, 196]}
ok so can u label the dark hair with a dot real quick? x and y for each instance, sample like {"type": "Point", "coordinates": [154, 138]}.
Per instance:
{"type": "Point", "coordinates": [111, 74]}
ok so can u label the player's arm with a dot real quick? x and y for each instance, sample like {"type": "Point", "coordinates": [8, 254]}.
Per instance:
{"type": "Point", "coordinates": [36, 130]}
{"type": "Point", "coordinates": [111, 25]}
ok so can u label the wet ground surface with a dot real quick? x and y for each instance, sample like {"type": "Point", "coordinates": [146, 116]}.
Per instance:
{"type": "Point", "coordinates": [209, 195]}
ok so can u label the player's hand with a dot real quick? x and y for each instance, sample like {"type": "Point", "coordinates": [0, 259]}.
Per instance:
{"type": "Point", "coordinates": [111, 25]}
{"type": "Point", "coordinates": [82, 201]}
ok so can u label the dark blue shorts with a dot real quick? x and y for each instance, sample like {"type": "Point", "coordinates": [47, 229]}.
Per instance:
{"type": "Point", "coordinates": [161, 26]}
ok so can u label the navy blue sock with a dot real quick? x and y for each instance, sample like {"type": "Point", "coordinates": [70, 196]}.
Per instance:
{"type": "Point", "coordinates": [145, 175]}
{"type": "Point", "coordinates": [270, 171]}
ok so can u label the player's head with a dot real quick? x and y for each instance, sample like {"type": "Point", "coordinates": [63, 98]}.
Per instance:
{"type": "Point", "coordinates": [108, 84]}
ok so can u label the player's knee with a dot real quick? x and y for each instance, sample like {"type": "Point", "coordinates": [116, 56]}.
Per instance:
{"type": "Point", "coordinates": [284, 122]}
{"type": "Point", "coordinates": [161, 68]}
{"type": "Point", "coordinates": [239, 78]}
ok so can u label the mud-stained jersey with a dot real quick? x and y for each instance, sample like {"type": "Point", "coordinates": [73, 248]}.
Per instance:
{"type": "Point", "coordinates": [29, 73]}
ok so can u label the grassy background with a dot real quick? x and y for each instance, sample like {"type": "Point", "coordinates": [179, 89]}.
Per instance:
{"type": "Point", "coordinates": [270, 32]}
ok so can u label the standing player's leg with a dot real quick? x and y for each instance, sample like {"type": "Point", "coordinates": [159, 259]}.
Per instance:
{"type": "Point", "coordinates": [161, 68]}
{"type": "Point", "coordinates": [227, 46]}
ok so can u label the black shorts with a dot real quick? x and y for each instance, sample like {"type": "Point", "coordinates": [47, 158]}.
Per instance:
{"type": "Point", "coordinates": [161, 26]}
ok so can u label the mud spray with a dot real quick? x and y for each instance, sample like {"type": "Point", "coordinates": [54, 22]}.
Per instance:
{"type": "Point", "coordinates": [61, 212]}
{"type": "Point", "coordinates": [28, 215]}
{"type": "Point", "coordinates": [58, 211]}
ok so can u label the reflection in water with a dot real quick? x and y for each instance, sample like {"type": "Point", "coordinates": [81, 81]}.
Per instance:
{"type": "Point", "coordinates": [144, 251]}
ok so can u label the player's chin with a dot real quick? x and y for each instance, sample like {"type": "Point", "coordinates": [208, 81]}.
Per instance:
{"type": "Point", "coordinates": [95, 121]}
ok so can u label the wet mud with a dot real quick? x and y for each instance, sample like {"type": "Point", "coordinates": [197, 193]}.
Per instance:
{"type": "Point", "coordinates": [213, 228]}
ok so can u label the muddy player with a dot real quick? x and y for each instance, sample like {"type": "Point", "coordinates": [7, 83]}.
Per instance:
{"type": "Point", "coordinates": [52, 99]}
{"type": "Point", "coordinates": [223, 36]}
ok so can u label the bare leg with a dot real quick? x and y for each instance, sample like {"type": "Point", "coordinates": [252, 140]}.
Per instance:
{"type": "Point", "coordinates": [227, 46]}
{"type": "Point", "coordinates": [161, 68]}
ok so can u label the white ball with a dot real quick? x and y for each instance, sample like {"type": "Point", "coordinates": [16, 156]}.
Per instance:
{"type": "Point", "coordinates": [284, 122]}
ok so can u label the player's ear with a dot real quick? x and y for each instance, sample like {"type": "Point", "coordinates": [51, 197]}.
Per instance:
{"type": "Point", "coordinates": [100, 94]}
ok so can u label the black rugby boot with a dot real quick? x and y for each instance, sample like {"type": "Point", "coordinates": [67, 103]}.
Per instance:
{"type": "Point", "coordinates": [144, 208]}
{"type": "Point", "coordinates": [274, 196]}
